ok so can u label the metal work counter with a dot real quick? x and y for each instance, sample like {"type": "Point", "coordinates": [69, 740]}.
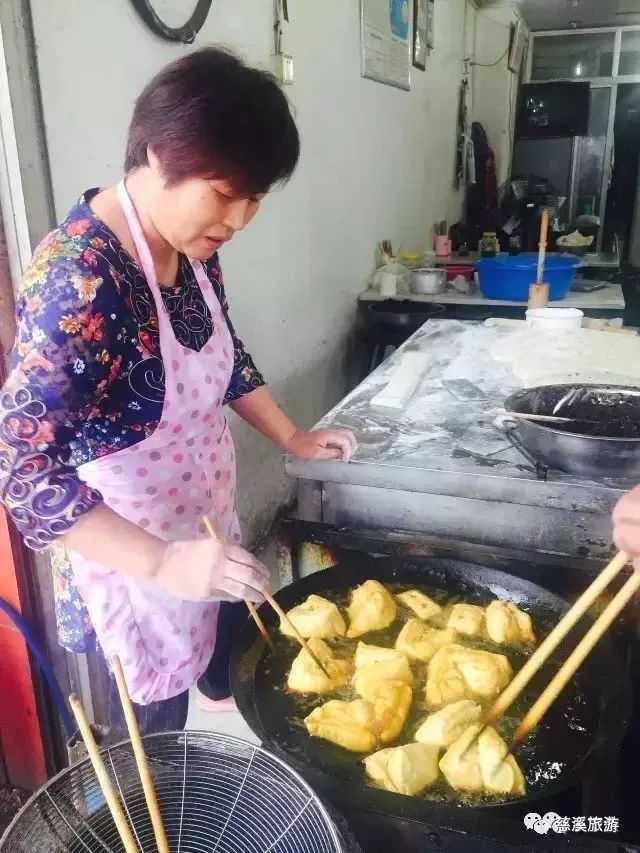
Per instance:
{"type": "Point", "coordinates": [441, 469]}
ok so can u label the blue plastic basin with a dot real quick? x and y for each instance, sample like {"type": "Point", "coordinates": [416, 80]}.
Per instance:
{"type": "Point", "coordinates": [509, 277]}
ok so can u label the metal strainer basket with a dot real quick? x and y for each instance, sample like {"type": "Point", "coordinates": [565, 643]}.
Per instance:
{"type": "Point", "coordinates": [217, 794]}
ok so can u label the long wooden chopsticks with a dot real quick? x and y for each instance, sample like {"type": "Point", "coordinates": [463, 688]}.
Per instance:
{"type": "Point", "coordinates": [141, 759]}
{"type": "Point", "coordinates": [113, 802]}
{"type": "Point", "coordinates": [279, 611]}
{"type": "Point", "coordinates": [215, 534]}
{"type": "Point", "coordinates": [102, 776]}
{"type": "Point", "coordinates": [555, 637]}
{"type": "Point", "coordinates": [575, 659]}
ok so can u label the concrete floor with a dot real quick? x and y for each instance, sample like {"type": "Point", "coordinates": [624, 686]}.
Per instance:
{"type": "Point", "coordinates": [227, 724]}
{"type": "Point", "coordinates": [267, 550]}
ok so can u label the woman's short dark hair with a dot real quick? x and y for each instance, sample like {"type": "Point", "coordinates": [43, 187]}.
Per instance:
{"type": "Point", "coordinates": [210, 114]}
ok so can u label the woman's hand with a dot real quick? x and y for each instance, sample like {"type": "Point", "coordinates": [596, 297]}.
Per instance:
{"type": "Point", "coordinates": [211, 570]}
{"type": "Point", "coordinates": [322, 444]}
{"type": "Point", "coordinates": [626, 523]}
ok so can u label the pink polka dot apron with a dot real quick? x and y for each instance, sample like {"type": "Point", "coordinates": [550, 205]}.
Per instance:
{"type": "Point", "coordinates": [165, 484]}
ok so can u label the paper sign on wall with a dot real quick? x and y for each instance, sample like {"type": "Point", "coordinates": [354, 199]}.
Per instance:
{"type": "Point", "coordinates": [386, 41]}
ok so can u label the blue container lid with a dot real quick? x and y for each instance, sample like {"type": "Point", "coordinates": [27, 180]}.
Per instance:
{"type": "Point", "coordinates": [527, 261]}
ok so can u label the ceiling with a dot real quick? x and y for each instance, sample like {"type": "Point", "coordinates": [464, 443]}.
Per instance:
{"type": "Point", "coordinates": [564, 14]}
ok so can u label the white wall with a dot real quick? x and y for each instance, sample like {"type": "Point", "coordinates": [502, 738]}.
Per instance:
{"type": "Point", "coordinates": [376, 162]}
{"type": "Point", "coordinates": [495, 88]}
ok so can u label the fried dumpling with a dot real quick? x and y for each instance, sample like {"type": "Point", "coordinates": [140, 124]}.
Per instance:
{"type": "Point", "coordinates": [460, 765]}
{"type": "Point", "coordinates": [419, 603]}
{"type": "Point", "coordinates": [404, 769]}
{"type": "Point", "coordinates": [506, 623]}
{"type": "Point", "coordinates": [376, 663]}
{"type": "Point", "coordinates": [305, 676]}
{"type": "Point", "coordinates": [315, 617]}
{"type": "Point", "coordinates": [456, 672]}
{"type": "Point", "coordinates": [391, 701]}
{"type": "Point", "coordinates": [500, 771]}
{"type": "Point", "coordinates": [445, 726]}
{"type": "Point", "coordinates": [372, 608]}
{"type": "Point", "coordinates": [467, 619]}
{"type": "Point", "coordinates": [481, 765]}
{"type": "Point", "coordinates": [420, 642]}
{"type": "Point", "coordinates": [350, 725]}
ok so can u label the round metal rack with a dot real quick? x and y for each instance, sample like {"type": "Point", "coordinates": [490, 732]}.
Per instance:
{"type": "Point", "coordinates": [216, 793]}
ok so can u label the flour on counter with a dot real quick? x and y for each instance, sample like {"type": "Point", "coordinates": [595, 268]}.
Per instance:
{"type": "Point", "coordinates": [585, 356]}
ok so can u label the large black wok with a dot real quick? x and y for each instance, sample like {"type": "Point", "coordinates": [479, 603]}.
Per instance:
{"type": "Point", "coordinates": [587, 722]}
{"type": "Point", "coordinates": [603, 440]}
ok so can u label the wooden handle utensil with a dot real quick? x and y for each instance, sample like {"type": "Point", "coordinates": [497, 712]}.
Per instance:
{"type": "Point", "coordinates": [122, 825]}
{"type": "Point", "coordinates": [141, 758]}
{"type": "Point", "coordinates": [215, 534]}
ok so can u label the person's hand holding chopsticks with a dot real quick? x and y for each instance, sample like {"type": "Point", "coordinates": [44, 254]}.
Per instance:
{"type": "Point", "coordinates": [626, 523]}
{"type": "Point", "coordinates": [211, 570]}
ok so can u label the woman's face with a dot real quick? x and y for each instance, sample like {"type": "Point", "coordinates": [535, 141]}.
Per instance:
{"type": "Point", "coordinates": [198, 215]}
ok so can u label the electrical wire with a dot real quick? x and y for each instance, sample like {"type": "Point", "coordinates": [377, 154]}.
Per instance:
{"type": "Point", "coordinates": [34, 647]}
{"type": "Point", "coordinates": [492, 64]}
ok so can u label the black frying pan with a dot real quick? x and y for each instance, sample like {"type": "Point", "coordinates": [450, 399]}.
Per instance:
{"type": "Point", "coordinates": [587, 721]}
{"type": "Point", "coordinates": [603, 440]}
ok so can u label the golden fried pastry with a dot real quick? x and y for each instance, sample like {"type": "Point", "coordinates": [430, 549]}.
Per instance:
{"type": "Point", "coordinates": [456, 672]}
{"type": "Point", "coordinates": [315, 617]}
{"type": "Point", "coordinates": [372, 608]}
{"type": "Point", "coordinates": [506, 623]}
{"type": "Point", "coordinates": [347, 724]}
{"type": "Point", "coordinates": [420, 642]}
{"type": "Point", "coordinates": [500, 771]}
{"type": "Point", "coordinates": [419, 603]}
{"type": "Point", "coordinates": [460, 765]}
{"type": "Point", "coordinates": [445, 726]}
{"type": "Point", "coordinates": [404, 769]}
{"type": "Point", "coordinates": [467, 619]}
{"type": "Point", "coordinates": [391, 701]}
{"type": "Point", "coordinates": [376, 663]}
{"type": "Point", "coordinates": [482, 765]}
{"type": "Point", "coordinates": [305, 676]}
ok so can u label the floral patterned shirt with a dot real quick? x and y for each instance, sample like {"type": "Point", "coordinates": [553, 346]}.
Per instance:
{"type": "Point", "coordinates": [87, 379]}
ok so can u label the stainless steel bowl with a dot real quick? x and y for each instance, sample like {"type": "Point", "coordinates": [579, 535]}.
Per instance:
{"type": "Point", "coordinates": [428, 280]}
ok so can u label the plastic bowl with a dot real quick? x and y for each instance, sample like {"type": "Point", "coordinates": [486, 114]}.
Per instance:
{"type": "Point", "coordinates": [560, 319]}
{"type": "Point", "coordinates": [510, 276]}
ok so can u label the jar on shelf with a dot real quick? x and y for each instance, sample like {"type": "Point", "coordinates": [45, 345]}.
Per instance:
{"type": "Point", "coordinates": [489, 245]}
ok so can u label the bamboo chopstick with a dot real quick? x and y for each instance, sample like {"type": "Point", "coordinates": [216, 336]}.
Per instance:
{"type": "Point", "coordinates": [553, 640]}
{"type": "Point", "coordinates": [280, 612]}
{"type": "Point", "coordinates": [124, 830]}
{"type": "Point", "coordinates": [283, 616]}
{"type": "Point", "coordinates": [215, 534]}
{"type": "Point", "coordinates": [542, 245]}
{"type": "Point", "coordinates": [576, 658]}
{"type": "Point", "coordinates": [141, 759]}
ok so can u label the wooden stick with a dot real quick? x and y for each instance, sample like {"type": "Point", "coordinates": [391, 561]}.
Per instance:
{"type": "Point", "coordinates": [576, 658]}
{"type": "Point", "coordinates": [552, 419]}
{"type": "Point", "coordinates": [124, 830]}
{"type": "Point", "coordinates": [215, 534]}
{"type": "Point", "coordinates": [550, 643]}
{"type": "Point", "coordinates": [542, 245]}
{"type": "Point", "coordinates": [141, 759]}
{"type": "Point", "coordinates": [295, 632]}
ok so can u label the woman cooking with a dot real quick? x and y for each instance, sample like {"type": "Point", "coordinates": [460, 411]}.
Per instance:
{"type": "Point", "coordinates": [115, 441]}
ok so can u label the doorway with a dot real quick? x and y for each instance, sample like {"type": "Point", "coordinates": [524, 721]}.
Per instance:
{"type": "Point", "coordinates": [621, 198]}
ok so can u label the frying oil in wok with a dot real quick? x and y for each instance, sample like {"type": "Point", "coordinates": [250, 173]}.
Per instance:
{"type": "Point", "coordinates": [561, 740]}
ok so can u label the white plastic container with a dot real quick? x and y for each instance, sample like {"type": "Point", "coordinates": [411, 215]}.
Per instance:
{"type": "Point", "coordinates": [562, 319]}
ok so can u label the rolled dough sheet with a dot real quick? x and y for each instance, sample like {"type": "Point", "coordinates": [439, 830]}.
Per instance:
{"type": "Point", "coordinates": [406, 378]}
{"type": "Point", "coordinates": [584, 356]}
